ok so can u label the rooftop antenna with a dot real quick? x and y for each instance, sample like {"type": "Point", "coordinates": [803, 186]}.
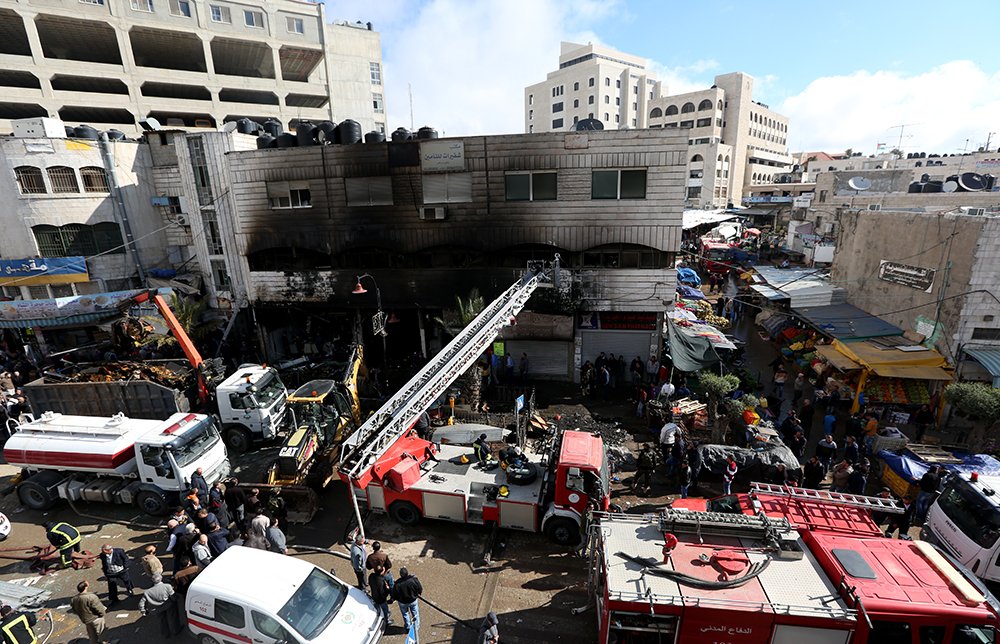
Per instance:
{"type": "Point", "coordinates": [899, 146]}
{"type": "Point", "coordinates": [409, 88]}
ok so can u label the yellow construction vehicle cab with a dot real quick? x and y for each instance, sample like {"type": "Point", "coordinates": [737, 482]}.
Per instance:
{"type": "Point", "coordinates": [325, 412]}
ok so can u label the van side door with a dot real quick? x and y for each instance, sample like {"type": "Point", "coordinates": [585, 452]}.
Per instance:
{"type": "Point", "coordinates": [268, 630]}
{"type": "Point", "coordinates": [222, 620]}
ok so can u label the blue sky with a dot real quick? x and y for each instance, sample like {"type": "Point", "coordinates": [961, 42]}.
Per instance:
{"type": "Point", "coordinates": [845, 73]}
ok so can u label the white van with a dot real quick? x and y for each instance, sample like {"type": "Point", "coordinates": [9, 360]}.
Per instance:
{"type": "Point", "coordinates": [965, 522]}
{"type": "Point", "coordinates": [249, 595]}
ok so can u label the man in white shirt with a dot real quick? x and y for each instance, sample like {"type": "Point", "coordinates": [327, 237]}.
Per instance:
{"type": "Point", "coordinates": [668, 436]}
{"type": "Point", "coordinates": [666, 392]}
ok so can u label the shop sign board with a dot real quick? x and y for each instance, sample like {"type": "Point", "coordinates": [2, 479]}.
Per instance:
{"type": "Point", "coordinates": [442, 156]}
{"type": "Point", "coordinates": [43, 270]}
{"type": "Point", "coordinates": [916, 277]}
{"type": "Point", "coordinates": [617, 320]}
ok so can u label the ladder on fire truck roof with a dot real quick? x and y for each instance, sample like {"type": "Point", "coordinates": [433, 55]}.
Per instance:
{"type": "Point", "coordinates": [722, 524]}
{"type": "Point", "coordinates": [889, 506]}
{"type": "Point", "coordinates": [398, 413]}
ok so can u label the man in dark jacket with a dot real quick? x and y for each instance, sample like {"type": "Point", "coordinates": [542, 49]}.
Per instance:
{"type": "Point", "coordinates": [199, 483]}
{"type": "Point", "coordinates": [204, 518]}
{"type": "Point", "coordinates": [852, 454]}
{"type": "Point", "coordinates": [798, 445]}
{"type": "Point", "coordinates": [114, 563]}
{"type": "Point", "coordinates": [407, 591]}
{"type": "Point", "coordinates": [814, 473]}
{"type": "Point", "coordinates": [235, 499]}
{"type": "Point", "coordinates": [218, 540]}
{"type": "Point", "coordinates": [856, 481]}
{"type": "Point", "coordinates": [380, 592]}
{"type": "Point", "coordinates": [694, 461]}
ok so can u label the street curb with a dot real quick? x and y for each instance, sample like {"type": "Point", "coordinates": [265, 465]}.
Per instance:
{"type": "Point", "coordinates": [489, 592]}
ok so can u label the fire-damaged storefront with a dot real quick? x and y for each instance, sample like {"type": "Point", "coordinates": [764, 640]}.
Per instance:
{"type": "Point", "coordinates": [622, 333]}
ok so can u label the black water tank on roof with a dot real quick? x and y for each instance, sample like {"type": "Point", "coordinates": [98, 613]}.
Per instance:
{"type": "Point", "coordinates": [401, 134]}
{"type": "Point", "coordinates": [916, 186]}
{"type": "Point", "coordinates": [286, 140]}
{"type": "Point", "coordinates": [375, 137]}
{"type": "Point", "coordinates": [86, 132]}
{"type": "Point", "coordinates": [326, 132]}
{"type": "Point", "coordinates": [350, 132]}
{"type": "Point", "coordinates": [932, 186]}
{"type": "Point", "coordinates": [245, 126]}
{"type": "Point", "coordinates": [70, 131]}
{"type": "Point", "coordinates": [305, 132]}
{"type": "Point", "coordinates": [265, 141]}
{"type": "Point", "coordinates": [427, 132]}
{"type": "Point", "coordinates": [116, 135]}
{"type": "Point", "coordinates": [273, 127]}
{"type": "Point", "coordinates": [924, 178]}
{"type": "Point", "coordinates": [588, 124]}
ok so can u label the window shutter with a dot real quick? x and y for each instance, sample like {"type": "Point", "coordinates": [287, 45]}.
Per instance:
{"type": "Point", "coordinates": [435, 188]}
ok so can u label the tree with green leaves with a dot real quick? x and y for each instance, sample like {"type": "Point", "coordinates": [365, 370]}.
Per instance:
{"type": "Point", "coordinates": [452, 321]}
{"type": "Point", "coordinates": [716, 388]}
{"type": "Point", "coordinates": [190, 314]}
{"type": "Point", "coordinates": [981, 403]}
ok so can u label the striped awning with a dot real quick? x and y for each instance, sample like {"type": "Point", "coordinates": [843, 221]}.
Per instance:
{"type": "Point", "coordinates": [990, 359]}
{"type": "Point", "coordinates": [83, 319]}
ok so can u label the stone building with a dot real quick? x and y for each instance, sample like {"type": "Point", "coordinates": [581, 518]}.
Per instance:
{"type": "Point", "coordinates": [111, 63]}
{"type": "Point", "coordinates": [429, 220]}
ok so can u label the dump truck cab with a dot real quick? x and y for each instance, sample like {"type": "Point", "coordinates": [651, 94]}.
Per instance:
{"type": "Point", "coordinates": [252, 406]}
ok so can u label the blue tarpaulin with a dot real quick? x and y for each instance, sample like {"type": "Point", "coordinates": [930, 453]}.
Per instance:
{"type": "Point", "coordinates": [688, 276]}
{"type": "Point", "coordinates": [689, 293]}
{"type": "Point", "coordinates": [911, 468]}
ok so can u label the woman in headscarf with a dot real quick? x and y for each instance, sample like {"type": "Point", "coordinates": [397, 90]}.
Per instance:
{"type": "Point", "coordinates": [488, 630]}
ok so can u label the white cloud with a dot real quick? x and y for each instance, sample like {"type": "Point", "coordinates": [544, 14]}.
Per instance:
{"type": "Point", "coordinates": [468, 61]}
{"type": "Point", "coordinates": [942, 107]}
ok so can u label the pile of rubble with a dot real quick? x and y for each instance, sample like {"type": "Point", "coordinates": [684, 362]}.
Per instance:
{"type": "Point", "coordinates": [579, 417]}
{"type": "Point", "coordinates": [167, 373]}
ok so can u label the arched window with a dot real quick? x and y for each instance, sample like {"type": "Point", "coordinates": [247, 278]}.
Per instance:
{"type": "Point", "coordinates": [720, 105]}
{"type": "Point", "coordinates": [720, 158]}
{"type": "Point", "coordinates": [29, 180]}
{"type": "Point", "coordinates": [671, 110]}
{"type": "Point", "coordinates": [705, 105]}
{"type": "Point", "coordinates": [727, 159]}
{"type": "Point", "coordinates": [697, 158]}
{"type": "Point", "coordinates": [63, 179]}
{"type": "Point", "coordinates": [94, 179]}
{"type": "Point", "coordinates": [655, 113]}
{"type": "Point", "coordinates": [688, 107]}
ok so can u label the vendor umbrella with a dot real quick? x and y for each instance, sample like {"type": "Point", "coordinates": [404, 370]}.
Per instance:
{"type": "Point", "coordinates": [690, 293]}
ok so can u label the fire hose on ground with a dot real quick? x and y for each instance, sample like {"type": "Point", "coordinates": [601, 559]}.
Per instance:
{"type": "Point", "coordinates": [344, 555]}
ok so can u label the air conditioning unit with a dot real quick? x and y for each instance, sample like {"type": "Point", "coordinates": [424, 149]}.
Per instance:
{"type": "Point", "coordinates": [979, 212]}
{"type": "Point", "coordinates": [433, 213]}
{"type": "Point", "coordinates": [182, 220]}
{"type": "Point", "coordinates": [874, 206]}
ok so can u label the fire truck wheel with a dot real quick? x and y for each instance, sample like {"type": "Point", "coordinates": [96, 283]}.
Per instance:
{"type": "Point", "coordinates": [562, 531]}
{"type": "Point", "coordinates": [35, 496]}
{"type": "Point", "coordinates": [152, 503]}
{"type": "Point", "coordinates": [404, 512]}
{"type": "Point", "coordinates": [237, 439]}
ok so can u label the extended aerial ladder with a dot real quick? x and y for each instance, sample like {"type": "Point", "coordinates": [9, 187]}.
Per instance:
{"type": "Point", "coordinates": [392, 421]}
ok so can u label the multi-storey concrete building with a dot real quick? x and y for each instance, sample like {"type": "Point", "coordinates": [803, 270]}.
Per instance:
{"type": "Point", "coordinates": [592, 82]}
{"type": "Point", "coordinates": [735, 142]}
{"type": "Point", "coordinates": [938, 167]}
{"type": "Point", "coordinates": [293, 228]}
{"type": "Point", "coordinates": [111, 63]}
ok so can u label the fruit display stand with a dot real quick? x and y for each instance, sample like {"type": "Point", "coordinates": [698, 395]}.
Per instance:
{"type": "Point", "coordinates": [897, 391]}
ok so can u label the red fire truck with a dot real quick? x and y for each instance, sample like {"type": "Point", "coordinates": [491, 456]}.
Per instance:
{"type": "Point", "coordinates": [716, 256]}
{"type": "Point", "coordinates": [815, 510]}
{"type": "Point", "coordinates": [718, 578]}
{"type": "Point", "coordinates": [393, 470]}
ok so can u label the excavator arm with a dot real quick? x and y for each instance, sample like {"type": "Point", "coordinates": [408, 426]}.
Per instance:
{"type": "Point", "coordinates": [353, 375]}
{"type": "Point", "coordinates": [187, 346]}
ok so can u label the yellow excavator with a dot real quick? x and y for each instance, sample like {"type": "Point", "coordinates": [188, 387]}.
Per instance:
{"type": "Point", "coordinates": [324, 412]}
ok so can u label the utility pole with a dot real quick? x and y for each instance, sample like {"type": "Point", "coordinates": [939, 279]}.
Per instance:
{"type": "Point", "coordinates": [409, 88]}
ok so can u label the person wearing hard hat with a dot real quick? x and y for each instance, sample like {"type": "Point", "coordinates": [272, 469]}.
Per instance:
{"type": "Point", "coordinates": [481, 449]}
{"type": "Point", "coordinates": [64, 538]}
{"type": "Point", "coordinates": [16, 626]}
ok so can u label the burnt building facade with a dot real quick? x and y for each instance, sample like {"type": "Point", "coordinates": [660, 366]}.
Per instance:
{"type": "Point", "coordinates": [432, 219]}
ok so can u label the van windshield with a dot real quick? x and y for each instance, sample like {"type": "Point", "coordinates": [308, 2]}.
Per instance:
{"type": "Point", "coordinates": [975, 516]}
{"type": "Point", "coordinates": [314, 605]}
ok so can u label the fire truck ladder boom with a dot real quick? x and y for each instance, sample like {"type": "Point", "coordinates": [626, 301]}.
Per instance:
{"type": "Point", "coordinates": [722, 524]}
{"type": "Point", "coordinates": [889, 506]}
{"type": "Point", "coordinates": [396, 416]}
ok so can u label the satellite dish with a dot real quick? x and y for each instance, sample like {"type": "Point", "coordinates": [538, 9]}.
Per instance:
{"type": "Point", "coordinates": [859, 183]}
{"type": "Point", "coordinates": [229, 127]}
{"type": "Point", "coordinates": [950, 186]}
{"type": "Point", "coordinates": [971, 182]}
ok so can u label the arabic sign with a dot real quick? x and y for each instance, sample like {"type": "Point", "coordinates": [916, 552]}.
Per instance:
{"type": "Point", "coordinates": [442, 156]}
{"type": "Point", "coordinates": [629, 321]}
{"type": "Point", "coordinates": [716, 627]}
{"type": "Point", "coordinates": [802, 201]}
{"type": "Point", "coordinates": [43, 270]}
{"type": "Point", "coordinates": [62, 307]}
{"type": "Point", "coordinates": [916, 277]}
{"type": "Point", "coordinates": [768, 199]}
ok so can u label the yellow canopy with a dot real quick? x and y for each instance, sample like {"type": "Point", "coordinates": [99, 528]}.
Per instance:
{"type": "Point", "coordinates": [836, 358]}
{"type": "Point", "coordinates": [891, 363]}
{"type": "Point", "coordinates": [916, 372]}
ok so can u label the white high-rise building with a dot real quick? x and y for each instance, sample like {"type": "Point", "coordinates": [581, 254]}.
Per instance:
{"type": "Point", "coordinates": [186, 63]}
{"type": "Point", "coordinates": [734, 141]}
{"type": "Point", "coordinates": [591, 82]}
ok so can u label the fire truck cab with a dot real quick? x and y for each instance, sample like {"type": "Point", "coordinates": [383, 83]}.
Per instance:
{"type": "Point", "coordinates": [910, 591]}
{"type": "Point", "coordinates": [716, 256]}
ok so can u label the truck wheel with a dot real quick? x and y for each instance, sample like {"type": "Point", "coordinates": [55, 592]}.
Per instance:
{"type": "Point", "coordinates": [237, 439]}
{"type": "Point", "coordinates": [404, 512]}
{"type": "Point", "coordinates": [152, 503]}
{"type": "Point", "coordinates": [35, 496]}
{"type": "Point", "coordinates": [563, 531]}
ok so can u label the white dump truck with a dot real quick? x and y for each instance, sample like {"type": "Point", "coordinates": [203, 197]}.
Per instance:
{"type": "Point", "coordinates": [147, 463]}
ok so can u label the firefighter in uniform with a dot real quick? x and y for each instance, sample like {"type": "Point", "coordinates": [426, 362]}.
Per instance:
{"type": "Point", "coordinates": [66, 539]}
{"type": "Point", "coordinates": [16, 626]}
